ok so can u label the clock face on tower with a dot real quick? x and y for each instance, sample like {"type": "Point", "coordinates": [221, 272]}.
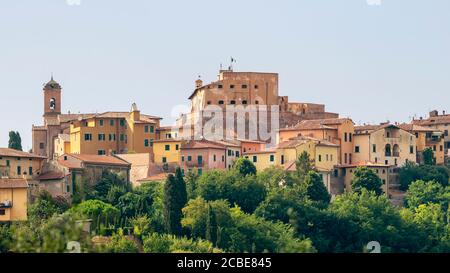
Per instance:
{"type": "Point", "coordinates": [52, 104]}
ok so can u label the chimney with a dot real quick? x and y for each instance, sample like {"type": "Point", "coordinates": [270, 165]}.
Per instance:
{"type": "Point", "coordinates": [135, 113]}
{"type": "Point", "coordinates": [443, 113]}
{"type": "Point", "coordinates": [434, 113]}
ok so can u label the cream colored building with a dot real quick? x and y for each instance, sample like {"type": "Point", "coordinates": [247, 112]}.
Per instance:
{"type": "Point", "coordinates": [62, 145]}
{"type": "Point", "coordinates": [13, 199]}
{"type": "Point", "coordinates": [385, 144]}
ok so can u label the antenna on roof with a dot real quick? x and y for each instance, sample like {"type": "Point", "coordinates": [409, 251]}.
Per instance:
{"type": "Point", "coordinates": [233, 60]}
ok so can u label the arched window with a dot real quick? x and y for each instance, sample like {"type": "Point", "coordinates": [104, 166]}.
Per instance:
{"type": "Point", "coordinates": [388, 150]}
{"type": "Point", "coordinates": [221, 102]}
{"type": "Point", "coordinates": [232, 102]}
{"type": "Point", "coordinates": [244, 102]}
{"type": "Point", "coordinates": [52, 104]}
{"type": "Point", "coordinates": [396, 150]}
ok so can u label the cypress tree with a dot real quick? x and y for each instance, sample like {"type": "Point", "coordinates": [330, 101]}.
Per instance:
{"type": "Point", "coordinates": [15, 141]}
{"type": "Point", "coordinates": [175, 198]}
{"type": "Point", "coordinates": [211, 226]}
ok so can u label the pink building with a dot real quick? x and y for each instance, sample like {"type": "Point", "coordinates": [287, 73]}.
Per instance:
{"type": "Point", "coordinates": [202, 155]}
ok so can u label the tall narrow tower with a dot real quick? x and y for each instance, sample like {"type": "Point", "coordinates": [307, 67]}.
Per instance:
{"type": "Point", "coordinates": [52, 100]}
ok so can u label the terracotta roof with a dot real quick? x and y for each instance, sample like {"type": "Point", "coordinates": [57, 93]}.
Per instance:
{"type": "Point", "coordinates": [202, 144]}
{"type": "Point", "coordinates": [6, 183]}
{"type": "Point", "coordinates": [63, 118]}
{"type": "Point", "coordinates": [68, 164]}
{"type": "Point", "coordinates": [415, 128]}
{"type": "Point", "coordinates": [100, 159]}
{"type": "Point", "coordinates": [227, 143]}
{"type": "Point", "coordinates": [164, 128]}
{"type": "Point", "coordinates": [294, 142]}
{"type": "Point", "coordinates": [318, 124]}
{"type": "Point", "coordinates": [156, 177]}
{"type": "Point", "coordinates": [442, 119]}
{"type": "Point", "coordinates": [15, 153]}
{"type": "Point", "coordinates": [166, 140]}
{"type": "Point", "coordinates": [51, 176]}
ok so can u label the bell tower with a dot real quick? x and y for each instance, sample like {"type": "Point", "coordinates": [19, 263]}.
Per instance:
{"type": "Point", "coordinates": [52, 99]}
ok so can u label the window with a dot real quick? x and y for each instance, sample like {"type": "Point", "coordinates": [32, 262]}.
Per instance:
{"type": "Point", "coordinates": [101, 152]}
{"type": "Point", "coordinates": [282, 160]}
{"type": "Point", "coordinates": [19, 170]}
{"type": "Point", "coordinates": [41, 146]}
{"type": "Point", "coordinates": [146, 143]}
{"type": "Point", "coordinates": [146, 129]}
{"type": "Point", "coordinates": [411, 149]}
{"type": "Point", "coordinates": [8, 163]}
{"type": "Point", "coordinates": [386, 162]}
{"type": "Point", "coordinates": [374, 148]}
{"type": "Point", "coordinates": [255, 159]}
{"type": "Point", "coordinates": [182, 159]}
{"type": "Point", "coordinates": [272, 158]}
{"type": "Point", "coordinates": [244, 102]}
{"type": "Point", "coordinates": [87, 137]}
{"type": "Point", "coordinates": [122, 137]}
{"type": "Point", "coordinates": [356, 149]}
{"type": "Point", "coordinates": [256, 102]}
{"type": "Point", "coordinates": [446, 133]}
{"type": "Point", "coordinates": [101, 122]}
{"type": "Point", "coordinates": [232, 86]}
{"type": "Point", "coordinates": [214, 158]}
{"type": "Point", "coordinates": [167, 148]}
{"type": "Point", "coordinates": [256, 86]}
{"type": "Point", "coordinates": [220, 86]}
{"type": "Point", "coordinates": [388, 134]}
{"type": "Point", "coordinates": [177, 147]}
{"type": "Point", "coordinates": [320, 158]}
{"type": "Point", "coordinates": [233, 102]}
{"type": "Point", "coordinates": [441, 148]}
{"type": "Point", "coordinates": [189, 158]}
{"type": "Point", "coordinates": [345, 158]}
{"type": "Point", "coordinates": [237, 154]}
{"type": "Point", "coordinates": [345, 137]}
{"type": "Point", "coordinates": [221, 102]}
{"type": "Point", "coordinates": [200, 159]}
{"type": "Point", "coordinates": [164, 159]}
{"type": "Point", "coordinates": [244, 86]}
{"type": "Point", "coordinates": [223, 158]}
{"type": "Point", "coordinates": [122, 123]}
{"type": "Point", "coordinates": [151, 142]}
{"type": "Point", "coordinates": [2, 212]}
{"type": "Point", "coordinates": [111, 122]}
{"type": "Point", "coordinates": [101, 137]}
{"type": "Point", "coordinates": [152, 129]}
{"type": "Point", "coordinates": [350, 135]}
{"type": "Point", "coordinates": [209, 102]}
{"type": "Point", "coordinates": [112, 137]}
{"type": "Point", "coordinates": [30, 171]}
{"type": "Point", "coordinates": [350, 158]}
{"type": "Point", "coordinates": [229, 152]}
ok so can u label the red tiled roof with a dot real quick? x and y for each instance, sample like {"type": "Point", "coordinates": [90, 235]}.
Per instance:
{"type": "Point", "coordinates": [156, 177]}
{"type": "Point", "coordinates": [415, 128]}
{"type": "Point", "coordinates": [202, 144]}
{"type": "Point", "coordinates": [98, 159]}
{"type": "Point", "coordinates": [51, 176]}
{"type": "Point", "coordinates": [15, 153]}
{"type": "Point", "coordinates": [442, 119]}
{"type": "Point", "coordinates": [6, 183]}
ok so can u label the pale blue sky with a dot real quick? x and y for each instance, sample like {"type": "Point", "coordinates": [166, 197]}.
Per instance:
{"type": "Point", "coordinates": [370, 63]}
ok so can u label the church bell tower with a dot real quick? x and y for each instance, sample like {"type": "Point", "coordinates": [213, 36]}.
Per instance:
{"type": "Point", "coordinates": [52, 99]}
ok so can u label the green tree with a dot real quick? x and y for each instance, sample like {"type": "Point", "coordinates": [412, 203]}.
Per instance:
{"type": "Point", "coordinates": [365, 178]}
{"type": "Point", "coordinates": [303, 165]}
{"type": "Point", "coordinates": [15, 141]}
{"type": "Point", "coordinates": [174, 200]}
{"type": "Point", "coordinates": [121, 244]}
{"type": "Point", "coordinates": [421, 192]}
{"type": "Point", "coordinates": [107, 181]}
{"type": "Point", "coordinates": [412, 172]}
{"type": "Point", "coordinates": [191, 184]}
{"type": "Point", "coordinates": [315, 188]}
{"type": "Point", "coordinates": [101, 213]}
{"type": "Point", "coordinates": [211, 226]}
{"type": "Point", "coordinates": [428, 156]}
{"type": "Point", "coordinates": [245, 167]}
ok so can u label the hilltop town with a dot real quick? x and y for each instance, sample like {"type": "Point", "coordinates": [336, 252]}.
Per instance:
{"type": "Point", "coordinates": [70, 148]}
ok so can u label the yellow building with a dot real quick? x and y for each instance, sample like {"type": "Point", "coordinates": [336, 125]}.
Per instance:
{"type": "Point", "coordinates": [437, 121]}
{"type": "Point", "coordinates": [167, 151]}
{"type": "Point", "coordinates": [62, 145]}
{"type": "Point", "coordinates": [344, 174]}
{"type": "Point", "coordinates": [385, 144]}
{"type": "Point", "coordinates": [114, 132]}
{"type": "Point", "coordinates": [323, 154]}
{"type": "Point", "coordinates": [427, 137]}
{"type": "Point", "coordinates": [13, 199]}
{"type": "Point", "coordinates": [262, 159]}
{"type": "Point", "coordinates": [18, 164]}
{"type": "Point", "coordinates": [339, 131]}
